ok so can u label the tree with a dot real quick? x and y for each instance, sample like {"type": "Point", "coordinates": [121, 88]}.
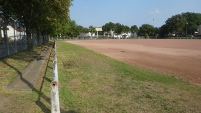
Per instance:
{"type": "Point", "coordinates": [180, 23]}
{"type": "Point", "coordinates": [109, 26]}
{"type": "Point", "coordinates": [146, 30]}
{"type": "Point", "coordinates": [125, 28]}
{"type": "Point", "coordinates": [176, 24]}
{"type": "Point", "coordinates": [48, 16]}
{"type": "Point", "coordinates": [134, 28]}
{"type": "Point", "coordinates": [116, 27]}
{"type": "Point", "coordinates": [92, 29]}
{"type": "Point", "coordinates": [72, 29]}
{"type": "Point", "coordinates": [163, 31]}
{"type": "Point", "coordinates": [193, 20]}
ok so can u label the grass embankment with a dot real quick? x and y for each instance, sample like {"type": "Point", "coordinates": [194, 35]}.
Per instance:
{"type": "Point", "coordinates": [93, 83]}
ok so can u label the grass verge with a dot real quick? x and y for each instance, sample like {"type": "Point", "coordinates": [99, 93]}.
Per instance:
{"type": "Point", "coordinates": [12, 101]}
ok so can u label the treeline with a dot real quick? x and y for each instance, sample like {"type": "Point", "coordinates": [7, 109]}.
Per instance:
{"type": "Point", "coordinates": [50, 17]}
{"type": "Point", "coordinates": [177, 25]}
{"type": "Point", "coordinates": [181, 24]}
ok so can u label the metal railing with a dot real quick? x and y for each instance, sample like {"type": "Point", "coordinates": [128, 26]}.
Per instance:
{"type": "Point", "coordinates": [55, 107]}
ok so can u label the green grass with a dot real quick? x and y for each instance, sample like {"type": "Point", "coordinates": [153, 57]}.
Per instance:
{"type": "Point", "coordinates": [12, 101]}
{"type": "Point", "coordinates": [93, 83]}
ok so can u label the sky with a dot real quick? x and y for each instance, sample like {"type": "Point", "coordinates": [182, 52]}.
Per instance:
{"type": "Point", "coordinates": [129, 12]}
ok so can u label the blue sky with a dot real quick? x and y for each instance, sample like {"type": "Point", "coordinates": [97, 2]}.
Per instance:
{"type": "Point", "coordinates": [129, 12]}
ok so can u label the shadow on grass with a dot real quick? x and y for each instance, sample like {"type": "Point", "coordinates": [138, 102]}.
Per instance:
{"type": "Point", "coordinates": [20, 74]}
{"type": "Point", "coordinates": [44, 106]}
{"type": "Point", "coordinates": [40, 93]}
{"type": "Point", "coordinates": [25, 56]}
{"type": "Point", "coordinates": [28, 57]}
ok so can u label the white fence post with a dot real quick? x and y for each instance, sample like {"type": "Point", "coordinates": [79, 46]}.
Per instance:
{"type": "Point", "coordinates": [55, 107]}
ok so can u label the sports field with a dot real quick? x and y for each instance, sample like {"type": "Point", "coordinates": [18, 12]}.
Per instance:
{"type": "Point", "coordinates": [179, 58]}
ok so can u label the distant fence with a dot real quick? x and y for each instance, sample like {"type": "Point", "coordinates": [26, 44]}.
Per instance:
{"type": "Point", "coordinates": [55, 107]}
{"type": "Point", "coordinates": [18, 42]}
{"type": "Point", "coordinates": [14, 44]}
{"type": "Point", "coordinates": [198, 37]}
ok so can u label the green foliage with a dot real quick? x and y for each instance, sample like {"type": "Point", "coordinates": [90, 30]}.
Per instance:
{"type": "Point", "coordinates": [96, 83]}
{"type": "Point", "coordinates": [116, 27]}
{"type": "Point", "coordinates": [48, 16]}
{"type": "Point", "coordinates": [176, 24]}
{"type": "Point", "coordinates": [72, 29]}
{"type": "Point", "coordinates": [193, 20]}
{"type": "Point", "coordinates": [163, 31]}
{"type": "Point", "coordinates": [146, 29]}
{"type": "Point", "coordinates": [179, 23]}
{"type": "Point", "coordinates": [108, 26]}
{"type": "Point", "coordinates": [146, 36]}
{"type": "Point", "coordinates": [134, 28]}
{"type": "Point", "coordinates": [92, 29]}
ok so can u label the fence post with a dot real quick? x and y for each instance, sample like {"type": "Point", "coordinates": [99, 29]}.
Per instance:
{"type": "Point", "coordinates": [15, 45]}
{"type": "Point", "coordinates": [55, 107]}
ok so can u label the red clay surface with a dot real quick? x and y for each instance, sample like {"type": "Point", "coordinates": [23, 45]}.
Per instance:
{"type": "Point", "coordinates": [181, 58]}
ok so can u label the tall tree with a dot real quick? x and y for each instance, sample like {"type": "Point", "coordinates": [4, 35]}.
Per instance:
{"type": "Point", "coordinates": [109, 26]}
{"type": "Point", "coordinates": [92, 29]}
{"type": "Point", "coordinates": [176, 24]}
{"type": "Point", "coordinates": [118, 28]}
{"type": "Point", "coordinates": [193, 20]}
{"type": "Point", "coordinates": [146, 30]}
{"type": "Point", "coordinates": [134, 28]}
{"type": "Point", "coordinates": [181, 24]}
{"type": "Point", "coordinates": [47, 15]}
{"type": "Point", "coordinates": [125, 28]}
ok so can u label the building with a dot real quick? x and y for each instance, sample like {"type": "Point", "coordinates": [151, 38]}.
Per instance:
{"type": "Point", "coordinates": [98, 29]}
{"type": "Point", "coordinates": [87, 35]}
{"type": "Point", "coordinates": [123, 35]}
{"type": "Point", "coordinates": [14, 31]}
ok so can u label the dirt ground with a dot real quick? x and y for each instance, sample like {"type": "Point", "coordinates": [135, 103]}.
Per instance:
{"type": "Point", "coordinates": [180, 58]}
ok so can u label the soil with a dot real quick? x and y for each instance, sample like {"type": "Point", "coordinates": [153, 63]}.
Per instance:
{"type": "Point", "coordinates": [177, 57]}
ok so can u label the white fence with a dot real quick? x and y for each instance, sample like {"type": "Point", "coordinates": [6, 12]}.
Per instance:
{"type": "Point", "coordinates": [55, 107]}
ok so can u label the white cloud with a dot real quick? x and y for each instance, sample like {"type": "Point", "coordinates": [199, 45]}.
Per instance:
{"type": "Point", "coordinates": [156, 11]}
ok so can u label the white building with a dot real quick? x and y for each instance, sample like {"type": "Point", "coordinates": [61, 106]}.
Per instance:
{"type": "Point", "coordinates": [13, 33]}
{"type": "Point", "coordinates": [87, 35]}
{"type": "Point", "coordinates": [97, 30]}
{"type": "Point", "coordinates": [123, 35]}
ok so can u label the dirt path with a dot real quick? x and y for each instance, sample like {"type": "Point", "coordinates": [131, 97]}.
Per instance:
{"type": "Point", "coordinates": [178, 57]}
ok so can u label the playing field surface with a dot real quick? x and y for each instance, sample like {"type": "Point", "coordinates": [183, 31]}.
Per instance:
{"type": "Point", "coordinates": [181, 58]}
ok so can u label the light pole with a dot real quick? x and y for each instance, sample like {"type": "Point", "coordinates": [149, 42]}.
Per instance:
{"type": "Point", "coordinates": [186, 29]}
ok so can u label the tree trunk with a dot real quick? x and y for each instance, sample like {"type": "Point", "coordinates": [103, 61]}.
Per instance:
{"type": "Point", "coordinates": [43, 35]}
{"type": "Point", "coordinates": [28, 33]}
{"type": "Point", "coordinates": [38, 36]}
{"type": "Point", "coordinates": [29, 39]}
{"type": "Point", "coordinates": [6, 41]}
